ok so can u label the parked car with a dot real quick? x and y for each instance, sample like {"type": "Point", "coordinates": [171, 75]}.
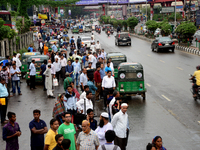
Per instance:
{"type": "Point", "coordinates": [86, 40]}
{"type": "Point", "coordinates": [123, 38]}
{"type": "Point", "coordinates": [162, 43]}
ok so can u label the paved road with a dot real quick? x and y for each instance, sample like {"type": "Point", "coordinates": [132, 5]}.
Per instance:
{"type": "Point", "coordinates": [169, 109]}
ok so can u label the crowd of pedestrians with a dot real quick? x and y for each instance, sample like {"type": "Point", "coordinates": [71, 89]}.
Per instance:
{"type": "Point", "coordinates": [87, 78]}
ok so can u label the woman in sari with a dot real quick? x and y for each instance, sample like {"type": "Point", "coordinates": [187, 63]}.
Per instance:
{"type": "Point", "coordinates": [75, 91]}
{"type": "Point", "coordinates": [59, 109]}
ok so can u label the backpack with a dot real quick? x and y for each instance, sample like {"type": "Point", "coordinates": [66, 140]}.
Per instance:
{"type": "Point", "coordinates": [104, 148]}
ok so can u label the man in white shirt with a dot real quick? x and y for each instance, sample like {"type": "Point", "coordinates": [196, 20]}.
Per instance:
{"type": "Point", "coordinates": [92, 36]}
{"type": "Point", "coordinates": [104, 125]}
{"type": "Point", "coordinates": [57, 68]}
{"type": "Point", "coordinates": [115, 94]}
{"type": "Point", "coordinates": [32, 73]}
{"type": "Point", "coordinates": [94, 61]}
{"type": "Point", "coordinates": [90, 57]}
{"type": "Point", "coordinates": [75, 54]}
{"type": "Point", "coordinates": [93, 47]}
{"type": "Point", "coordinates": [88, 103]}
{"type": "Point", "coordinates": [57, 56]}
{"type": "Point", "coordinates": [111, 65]}
{"type": "Point", "coordinates": [98, 47]}
{"type": "Point", "coordinates": [83, 95]}
{"type": "Point", "coordinates": [108, 83]}
{"type": "Point", "coordinates": [83, 79]}
{"type": "Point", "coordinates": [103, 53]}
{"type": "Point", "coordinates": [110, 136]}
{"type": "Point", "coordinates": [53, 71]}
{"type": "Point", "coordinates": [121, 127]}
{"type": "Point", "coordinates": [63, 63]}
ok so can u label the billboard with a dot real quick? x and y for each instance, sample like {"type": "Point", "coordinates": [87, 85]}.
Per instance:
{"type": "Point", "coordinates": [137, 1]}
{"type": "Point", "coordinates": [96, 2]}
{"type": "Point", "coordinates": [168, 9]}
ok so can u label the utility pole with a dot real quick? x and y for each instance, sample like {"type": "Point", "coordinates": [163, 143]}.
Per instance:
{"type": "Point", "coordinates": [146, 10]}
{"type": "Point", "coordinates": [175, 16]}
{"type": "Point", "coordinates": [189, 9]}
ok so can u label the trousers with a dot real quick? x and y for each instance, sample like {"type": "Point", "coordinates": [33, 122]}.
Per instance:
{"type": "Point", "coordinates": [49, 93]}
{"type": "Point", "coordinates": [3, 110]}
{"type": "Point", "coordinates": [98, 85]}
{"type": "Point", "coordinates": [32, 82]}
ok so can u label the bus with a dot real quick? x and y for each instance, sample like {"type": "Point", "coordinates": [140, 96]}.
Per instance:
{"type": "Point", "coordinates": [5, 15]}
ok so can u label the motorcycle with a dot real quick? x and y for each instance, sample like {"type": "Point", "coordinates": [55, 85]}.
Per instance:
{"type": "Point", "coordinates": [193, 81]}
{"type": "Point", "coordinates": [108, 33]}
{"type": "Point", "coordinates": [112, 31]}
{"type": "Point", "coordinates": [99, 31]}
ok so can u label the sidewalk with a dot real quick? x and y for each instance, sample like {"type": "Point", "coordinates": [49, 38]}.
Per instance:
{"type": "Point", "coordinates": [191, 49]}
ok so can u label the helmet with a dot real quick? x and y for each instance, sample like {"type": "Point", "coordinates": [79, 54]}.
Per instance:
{"type": "Point", "coordinates": [198, 67]}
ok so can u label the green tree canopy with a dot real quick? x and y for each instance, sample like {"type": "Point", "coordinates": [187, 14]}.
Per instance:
{"type": "Point", "coordinates": [23, 5]}
{"type": "Point", "coordinates": [132, 22]}
{"type": "Point", "coordinates": [152, 25]}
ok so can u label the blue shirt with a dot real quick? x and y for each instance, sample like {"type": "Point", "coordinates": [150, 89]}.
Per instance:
{"type": "Point", "coordinates": [77, 67]}
{"type": "Point", "coordinates": [93, 125]}
{"type": "Point", "coordinates": [37, 139]}
{"type": "Point", "coordinates": [70, 101]}
{"type": "Point", "coordinates": [31, 49]}
{"type": "Point", "coordinates": [84, 60]}
{"type": "Point", "coordinates": [102, 73]}
{"type": "Point", "coordinates": [92, 87]}
{"type": "Point", "coordinates": [108, 69]}
{"type": "Point", "coordinates": [3, 91]}
{"type": "Point", "coordinates": [69, 68]}
{"type": "Point", "coordinates": [54, 48]}
{"type": "Point", "coordinates": [43, 68]}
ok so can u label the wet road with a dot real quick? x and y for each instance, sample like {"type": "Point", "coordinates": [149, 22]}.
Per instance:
{"type": "Point", "coordinates": [169, 109]}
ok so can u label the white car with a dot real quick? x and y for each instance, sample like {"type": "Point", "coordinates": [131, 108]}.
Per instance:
{"type": "Point", "coordinates": [86, 40]}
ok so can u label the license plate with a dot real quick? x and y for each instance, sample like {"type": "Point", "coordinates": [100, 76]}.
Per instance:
{"type": "Point", "coordinates": [167, 44]}
{"type": "Point", "coordinates": [124, 39]}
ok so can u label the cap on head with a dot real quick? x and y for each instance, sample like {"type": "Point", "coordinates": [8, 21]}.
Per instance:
{"type": "Point", "coordinates": [67, 73]}
{"type": "Point", "coordinates": [124, 104]}
{"type": "Point", "coordinates": [105, 115]}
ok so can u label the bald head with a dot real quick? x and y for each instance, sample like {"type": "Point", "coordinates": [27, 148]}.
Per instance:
{"type": "Point", "coordinates": [86, 126]}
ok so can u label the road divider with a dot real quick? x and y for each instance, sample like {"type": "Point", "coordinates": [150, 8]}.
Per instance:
{"type": "Point", "coordinates": [166, 98]}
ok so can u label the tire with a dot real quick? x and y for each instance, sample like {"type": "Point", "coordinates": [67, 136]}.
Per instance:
{"type": "Point", "coordinates": [173, 50]}
{"type": "Point", "coordinates": [129, 44]}
{"type": "Point", "coordinates": [144, 97]}
{"type": "Point", "coordinates": [157, 49]}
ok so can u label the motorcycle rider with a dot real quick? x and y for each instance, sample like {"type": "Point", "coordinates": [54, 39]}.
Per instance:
{"type": "Point", "coordinates": [118, 29]}
{"type": "Point", "coordinates": [197, 84]}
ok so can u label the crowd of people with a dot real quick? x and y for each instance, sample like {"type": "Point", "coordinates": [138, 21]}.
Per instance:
{"type": "Point", "coordinates": [87, 78]}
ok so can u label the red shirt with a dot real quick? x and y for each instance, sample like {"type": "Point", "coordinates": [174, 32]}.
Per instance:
{"type": "Point", "coordinates": [97, 77]}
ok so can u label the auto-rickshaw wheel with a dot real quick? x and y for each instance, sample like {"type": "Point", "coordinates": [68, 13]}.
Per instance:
{"type": "Point", "coordinates": [144, 96]}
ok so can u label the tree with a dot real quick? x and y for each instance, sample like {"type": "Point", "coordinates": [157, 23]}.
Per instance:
{"type": "Point", "coordinates": [185, 31]}
{"type": "Point", "coordinates": [23, 5]}
{"type": "Point", "coordinates": [172, 16]}
{"type": "Point", "coordinates": [5, 31]}
{"type": "Point", "coordinates": [166, 29]}
{"type": "Point", "coordinates": [124, 23]}
{"type": "Point", "coordinates": [132, 22]}
{"type": "Point", "coordinates": [152, 25]}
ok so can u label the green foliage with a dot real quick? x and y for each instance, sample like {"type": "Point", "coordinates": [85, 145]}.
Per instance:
{"type": "Point", "coordinates": [186, 30]}
{"type": "Point", "coordinates": [148, 11]}
{"type": "Point", "coordinates": [112, 21]}
{"type": "Point", "coordinates": [23, 5]}
{"type": "Point", "coordinates": [115, 24]}
{"type": "Point", "coordinates": [125, 24]}
{"type": "Point", "coordinates": [152, 25]}
{"type": "Point", "coordinates": [158, 17]}
{"type": "Point", "coordinates": [24, 50]}
{"type": "Point", "coordinates": [13, 13]}
{"type": "Point", "coordinates": [119, 22]}
{"type": "Point", "coordinates": [160, 24]}
{"type": "Point", "coordinates": [172, 16]}
{"type": "Point", "coordinates": [2, 22]}
{"type": "Point", "coordinates": [132, 22]}
{"type": "Point", "coordinates": [17, 40]}
{"type": "Point", "coordinates": [4, 30]}
{"type": "Point", "coordinates": [166, 29]}
{"type": "Point", "coordinates": [21, 28]}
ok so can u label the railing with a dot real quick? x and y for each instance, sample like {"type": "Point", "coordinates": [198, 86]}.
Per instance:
{"type": "Point", "coordinates": [7, 47]}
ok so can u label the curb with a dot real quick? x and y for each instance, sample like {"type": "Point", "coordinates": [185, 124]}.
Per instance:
{"type": "Point", "coordinates": [188, 49]}
{"type": "Point", "coordinates": [177, 47]}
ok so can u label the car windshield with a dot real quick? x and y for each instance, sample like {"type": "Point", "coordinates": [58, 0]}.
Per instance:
{"type": "Point", "coordinates": [86, 39]}
{"type": "Point", "coordinates": [164, 39]}
{"type": "Point", "coordinates": [131, 75]}
{"type": "Point", "coordinates": [123, 35]}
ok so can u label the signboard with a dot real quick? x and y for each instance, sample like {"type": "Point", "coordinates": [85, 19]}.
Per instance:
{"type": "Point", "coordinates": [137, 1]}
{"type": "Point", "coordinates": [62, 11]}
{"type": "Point", "coordinates": [197, 17]}
{"type": "Point", "coordinates": [96, 2]}
{"type": "Point", "coordinates": [168, 9]}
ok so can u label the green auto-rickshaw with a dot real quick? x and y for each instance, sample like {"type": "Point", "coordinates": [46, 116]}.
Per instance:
{"type": "Point", "coordinates": [25, 57]}
{"type": "Point", "coordinates": [75, 29]}
{"type": "Point", "coordinates": [39, 59]}
{"type": "Point", "coordinates": [130, 81]}
{"type": "Point", "coordinates": [51, 43]}
{"type": "Point", "coordinates": [117, 58]}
